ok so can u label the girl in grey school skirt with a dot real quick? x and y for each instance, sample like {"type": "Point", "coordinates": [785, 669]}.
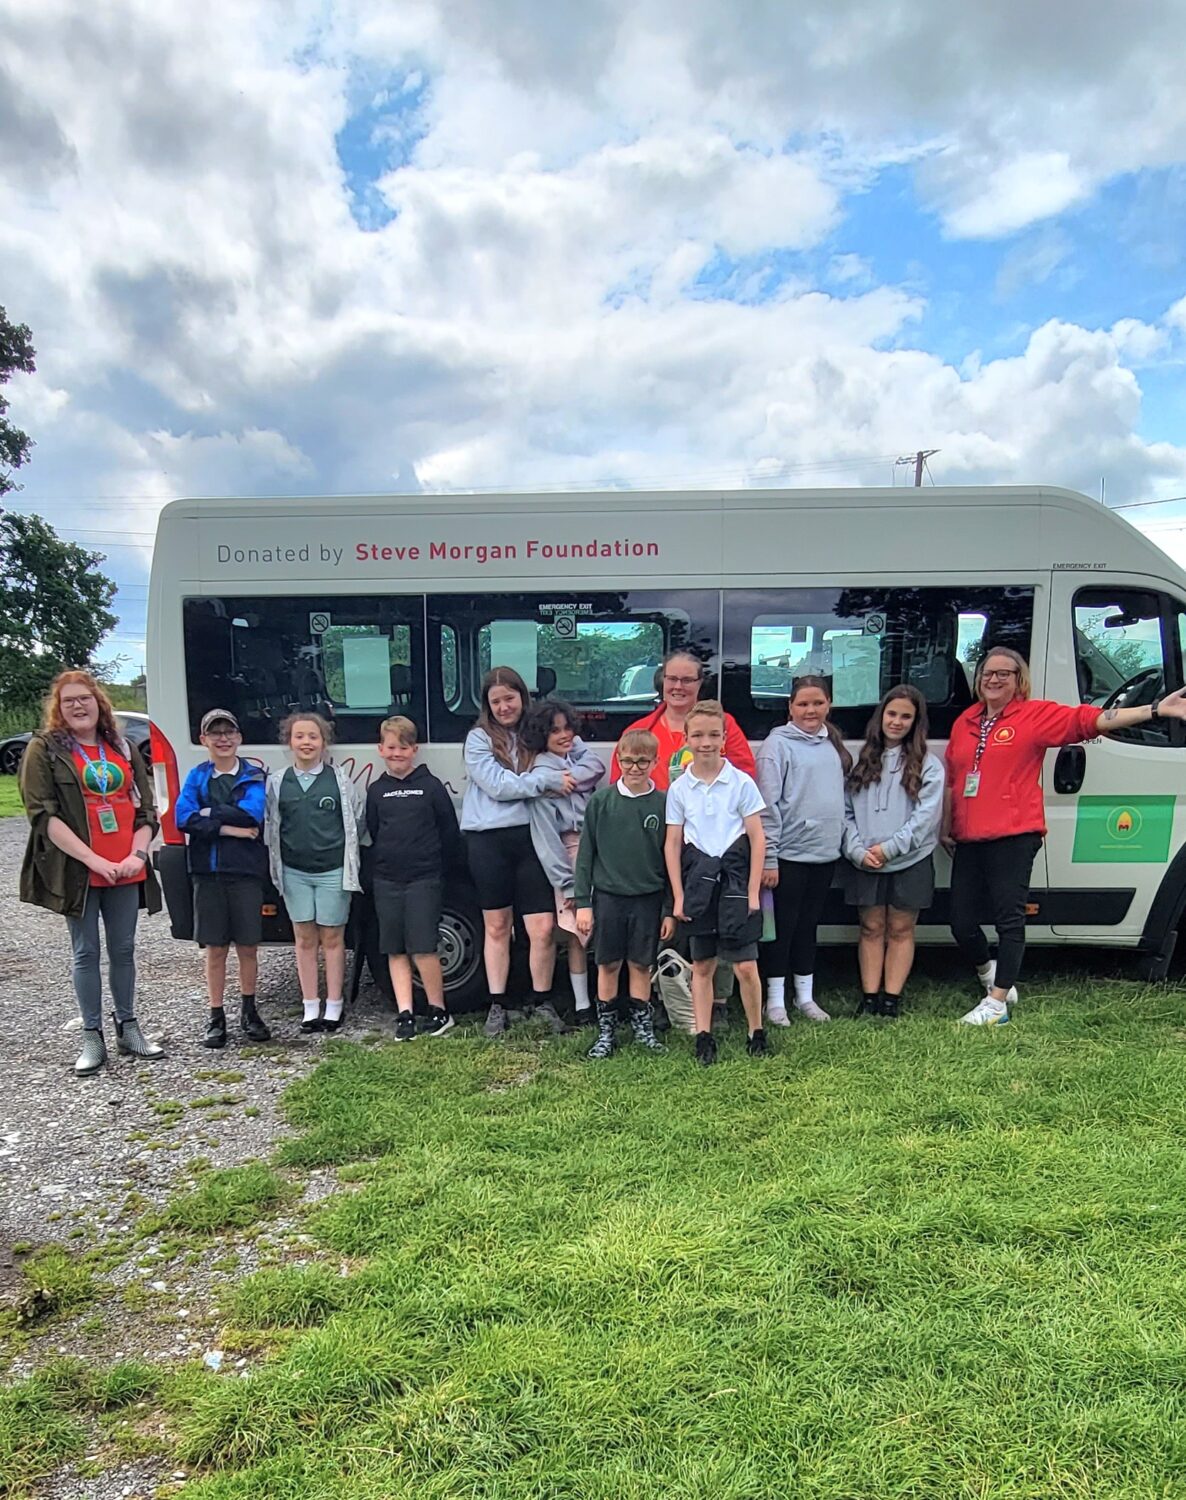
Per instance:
{"type": "Point", "coordinates": [893, 808]}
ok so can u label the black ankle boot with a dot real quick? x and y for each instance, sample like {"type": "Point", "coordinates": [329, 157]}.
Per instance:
{"type": "Point", "coordinates": [215, 1028]}
{"type": "Point", "coordinates": [867, 1005]}
{"type": "Point", "coordinates": [251, 1023]}
{"type": "Point", "coordinates": [889, 1006]}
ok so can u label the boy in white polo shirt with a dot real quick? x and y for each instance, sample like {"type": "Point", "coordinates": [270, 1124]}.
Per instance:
{"type": "Point", "coordinates": [715, 850]}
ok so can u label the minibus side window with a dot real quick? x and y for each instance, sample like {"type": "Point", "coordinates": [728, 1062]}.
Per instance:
{"type": "Point", "coordinates": [1127, 653]}
{"type": "Point", "coordinates": [864, 640]}
{"type": "Point", "coordinates": [354, 659]}
{"type": "Point", "coordinates": [598, 650]}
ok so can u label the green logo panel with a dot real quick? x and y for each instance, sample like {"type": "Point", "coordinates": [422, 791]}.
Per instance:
{"type": "Point", "coordinates": [1129, 831]}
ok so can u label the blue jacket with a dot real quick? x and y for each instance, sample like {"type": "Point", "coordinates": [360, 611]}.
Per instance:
{"type": "Point", "coordinates": [209, 852]}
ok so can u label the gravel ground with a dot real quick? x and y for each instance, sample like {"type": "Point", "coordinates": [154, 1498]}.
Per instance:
{"type": "Point", "coordinates": [73, 1150]}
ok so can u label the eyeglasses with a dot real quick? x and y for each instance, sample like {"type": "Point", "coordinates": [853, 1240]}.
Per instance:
{"type": "Point", "coordinates": [635, 762]}
{"type": "Point", "coordinates": [997, 672]}
{"type": "Point", "coordinates": [681, 681]}
{"type": "Point", "coordinates": [80, 702]}
{"type": "Point", "coordinates": [222, 734]}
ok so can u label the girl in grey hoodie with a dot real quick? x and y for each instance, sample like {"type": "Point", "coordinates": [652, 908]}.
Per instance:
{"type": "Point", "coordinates": [892, 815]}
{"type": "Point", "coordinates": [801, 770]}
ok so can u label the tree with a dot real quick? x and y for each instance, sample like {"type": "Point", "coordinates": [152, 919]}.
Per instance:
{"type": "Point", "coordinates": [16, 353]}
{"type": "Point", "coordinates": [54, 606]}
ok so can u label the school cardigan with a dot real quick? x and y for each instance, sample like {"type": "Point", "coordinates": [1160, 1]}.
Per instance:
{"type": "Point", "coordinates": [1009, 800]}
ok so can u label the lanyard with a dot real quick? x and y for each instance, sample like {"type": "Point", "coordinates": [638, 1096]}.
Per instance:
{"type": "Point", "coordinates": [104, 776]}
{"type": "Point", "coordinates": [986, 727]}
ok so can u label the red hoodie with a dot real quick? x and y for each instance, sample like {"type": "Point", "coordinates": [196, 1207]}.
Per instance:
{"type": "Point", "coordinates": [674, 754]}
{"type": "Point", "coordinates": [1010, 796]}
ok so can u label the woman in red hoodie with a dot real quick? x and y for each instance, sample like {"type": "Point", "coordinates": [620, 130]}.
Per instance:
{"type": "Point", "coordinates": [994, 820]}
{"type": "Point", "coordinates": [682, 675]}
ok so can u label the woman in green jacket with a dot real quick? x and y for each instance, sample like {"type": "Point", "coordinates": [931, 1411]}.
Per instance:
{"type": "Point", "coordinates": [90, 805]}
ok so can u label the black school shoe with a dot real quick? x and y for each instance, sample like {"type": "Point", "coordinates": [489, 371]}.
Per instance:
{"type": "Point", "coordinates": [756, 1044]}
{"type": "Point", "coordinates": [867, 1005]}
{"type": "Point", "coordinates": [405, 1026]}
{"type": "Point", "coordinates": [889, 1006]}
{"type": "Point", "coordinates": [215, 1028]}
{"type": "Point", "coordinates": [251, 1023]}
{"type": "Point", "coordinates": [706, 1049]}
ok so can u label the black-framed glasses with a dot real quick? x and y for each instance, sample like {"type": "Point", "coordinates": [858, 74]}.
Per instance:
{"type": "Point", "coordinates": [635, 762]}
{"type": "Point", "coordinates": [998, 672]}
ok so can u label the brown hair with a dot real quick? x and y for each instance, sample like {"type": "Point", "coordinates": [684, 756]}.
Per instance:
{"type": "Point", "coordinates": [867, 770]}
{"type": "Point", "coordinates": [706, 708]}
{"type": "Point", "coordinates": [1023, 671]}
{"type": "Point", "coordinates": [638, 742]}
{"type": "Point", "coordinates": [52, 721]}
{"type": "Point", "coordinates": [403, 729]}
{"type": "Point", "coordinates": [540, 721]}
{"type": "Point", "coordinates": [815, 681]}
{"type": "Point", "coordinates": [500, 737]}
{"type": "Point", "coordinates": [303, 716]}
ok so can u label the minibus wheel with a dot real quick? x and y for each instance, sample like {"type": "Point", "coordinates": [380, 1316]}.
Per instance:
{"type": "Point", "coordinates": [460, 949]}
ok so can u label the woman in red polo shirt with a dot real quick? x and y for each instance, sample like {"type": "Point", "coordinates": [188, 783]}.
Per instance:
{"type": "Point", "coordinates": [994, 819]}
{"type": "Point", "coordinates": [681, 679]}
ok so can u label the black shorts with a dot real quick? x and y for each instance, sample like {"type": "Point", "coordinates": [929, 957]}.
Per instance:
{"type": "Point", "coordinates": [627, 927]}
{"type": "Point", "coordinates": [911, 889]}
{"type": "Point", "coordinates": [228, 909]}
{"type": "Point", "coordinates": [409, 916]}
{"type": "Point", "coordinates": [707, 945]}
{"type": "Point", "coordinates": [506, 871]}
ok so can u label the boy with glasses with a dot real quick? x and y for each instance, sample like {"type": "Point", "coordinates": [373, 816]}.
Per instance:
{"type": "Point", "coordinates": [221, 810]}
{"type": "Point", "coordinates": [621, 888]}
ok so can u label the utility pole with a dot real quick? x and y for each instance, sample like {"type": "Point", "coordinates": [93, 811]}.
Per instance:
{"type": "Point", "coordinates": [919, 460]}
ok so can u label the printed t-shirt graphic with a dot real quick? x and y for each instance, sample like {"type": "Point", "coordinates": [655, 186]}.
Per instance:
{"type": "Point", "coordinates": [106, 786]}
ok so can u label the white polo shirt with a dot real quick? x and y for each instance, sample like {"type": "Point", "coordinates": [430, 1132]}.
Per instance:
{"type": "Point", "coordinates": [713, 812]}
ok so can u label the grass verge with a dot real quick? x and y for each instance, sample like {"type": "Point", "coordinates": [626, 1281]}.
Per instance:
{"type": "Point", "coordinates": [917, 1260]}
{"type": "Point", "coordinates": [11, 805]}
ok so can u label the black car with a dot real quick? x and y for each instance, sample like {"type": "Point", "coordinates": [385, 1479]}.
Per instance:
{"type": "Point", "coordinates": [134, 725]}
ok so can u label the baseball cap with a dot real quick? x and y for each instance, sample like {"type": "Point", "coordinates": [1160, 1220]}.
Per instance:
{"type": "Point", "coordinates": [219, 716]}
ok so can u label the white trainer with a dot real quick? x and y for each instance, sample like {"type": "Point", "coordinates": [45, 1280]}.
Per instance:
{"type": "Point", "coordinates": [811, 1010]}
{"type": "Point", "coordinates": [989, 979]}
{"type": "Point", "coordinates": [776, 1015]}
{"type": "Point", "coordinates": [988, 1013]}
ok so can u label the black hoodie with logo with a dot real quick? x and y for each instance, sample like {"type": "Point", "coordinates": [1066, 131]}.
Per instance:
{"type": "Point", "coordinates": [413, 827]}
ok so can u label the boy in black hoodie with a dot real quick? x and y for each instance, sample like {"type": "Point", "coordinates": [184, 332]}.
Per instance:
{"type": "Point", "coordinates": [413, 828]}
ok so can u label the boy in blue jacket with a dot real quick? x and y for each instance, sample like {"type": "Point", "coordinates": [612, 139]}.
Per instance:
{"type": "Point", "coordinates": [221, 812]}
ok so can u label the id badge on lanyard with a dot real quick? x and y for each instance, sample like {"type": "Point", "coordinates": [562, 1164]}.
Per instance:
{"type": "Point", "coordinates": [972, 779]}
{"type": "Point", "coordinates": [108, 821]}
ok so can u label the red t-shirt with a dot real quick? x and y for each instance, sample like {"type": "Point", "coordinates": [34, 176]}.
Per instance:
{"type": "Point", "coordinates": [1009, 799]}
{"type": "Point", "coordinates": [674, 755]}
{"type": "Point", "coordinates": [106, 788]}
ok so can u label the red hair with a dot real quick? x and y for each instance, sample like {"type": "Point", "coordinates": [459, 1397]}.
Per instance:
{"type": "Point", "coordinates": [52, 721]}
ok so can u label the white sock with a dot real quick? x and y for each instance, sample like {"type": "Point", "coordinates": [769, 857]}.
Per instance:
{"type": "Point", "coordinates": [580, 989]}
{"type": "Point", "coordinates": [987, 972]}
{"type": "Point", "coordinates": [803, 984]}
{"type": "Point", "coordinates": [776, 994]}
{"type": "Point", "coordinates": [333, 1010]}
{"type": "Point", "coordinates": [312, 1009]}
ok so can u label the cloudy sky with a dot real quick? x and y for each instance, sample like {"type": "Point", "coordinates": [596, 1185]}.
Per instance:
{"type": "Point", "coordinates": [451, 244]}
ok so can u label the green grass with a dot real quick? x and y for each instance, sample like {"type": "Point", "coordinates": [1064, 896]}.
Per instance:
{"type": "Point", "coordinates": [229, 1199]}
{"type": "Point", "coordinates": [907, 1261]}
{"type": "Point", "coordinates": [11, 805]}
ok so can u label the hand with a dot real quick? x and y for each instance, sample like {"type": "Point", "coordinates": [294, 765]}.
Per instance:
{"type": "Point", "coordinates": [755, 903]}
{"type": "Point", "coordinates": [677, 912]}
{"type": "Point", "coordinates": [569, 785]}
{"type": "Point", "coordinates": [1173, 705]}
{"type": "Point", "coordinates": [106, 869]}
{"type": "Point", "coordinates": [870, 861]}
{"type": "Point", "coordinates": [948, 842]}
{"type": "Point", "coordinates": [667, 929]}
{"type": "Point", "coordinates": [233, 831]}
{"type": "Point", "coordinates": [129, 869]}
{"type": "Point", "coordinates": [769, 879]}
{"type": "Point", "coordinates": [584, 921]}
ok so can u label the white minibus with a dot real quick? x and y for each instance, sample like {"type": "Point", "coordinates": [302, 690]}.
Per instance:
{"type": "Point", "coordinates": [366, 606]}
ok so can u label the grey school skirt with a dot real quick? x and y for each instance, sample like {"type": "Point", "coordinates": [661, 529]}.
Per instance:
{"type": "Point", "coordinates": [911, 889]}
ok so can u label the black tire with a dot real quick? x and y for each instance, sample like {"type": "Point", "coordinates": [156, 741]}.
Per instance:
{"type": "Point", "coordinates": [10, 759]}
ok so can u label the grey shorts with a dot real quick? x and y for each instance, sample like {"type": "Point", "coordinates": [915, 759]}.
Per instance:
{"type": "Point", "coordinates": [627, 927]}
{"type": "Point", "coordinates": [228, 909]}
{"type": "Point", "coordinates": [911, 889]}
{"type": "Point", "coordinates": [706, 945]}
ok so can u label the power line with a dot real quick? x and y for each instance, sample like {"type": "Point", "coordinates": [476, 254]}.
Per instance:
{"type": "Point", "coordinates": [1140, 504]}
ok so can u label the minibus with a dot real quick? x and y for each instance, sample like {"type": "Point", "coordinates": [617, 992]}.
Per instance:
{"type": "Point", "coordinates": [365, 606]}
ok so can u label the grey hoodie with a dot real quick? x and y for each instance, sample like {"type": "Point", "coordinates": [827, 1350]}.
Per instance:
{"type": "Point", "coordinates": [553, 817]}
{"type": "Point", "coordinates": [883, 814]}
{"type": "Point", "coordinates": [801, 780]}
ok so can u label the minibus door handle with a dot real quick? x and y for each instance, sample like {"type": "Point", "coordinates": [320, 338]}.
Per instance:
{"type": "Point", "coordinates": [1070, 769]}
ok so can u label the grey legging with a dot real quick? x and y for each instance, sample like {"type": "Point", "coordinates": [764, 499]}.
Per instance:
{"type": "Point", "coordinates": [120, 906]}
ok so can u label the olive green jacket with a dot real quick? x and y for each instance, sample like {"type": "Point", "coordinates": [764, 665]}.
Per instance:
{"type": "Point", "coordinates": [52, 788]}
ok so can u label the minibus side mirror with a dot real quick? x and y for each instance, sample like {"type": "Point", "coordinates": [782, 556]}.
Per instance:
{"type": "Point", "coordinates": [1069, 769]}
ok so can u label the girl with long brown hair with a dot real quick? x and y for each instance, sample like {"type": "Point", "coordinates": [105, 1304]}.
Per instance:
{"type": "Point", "coordinates": [496, 821]}
{"type": "Point", "coordinates": [90, 806]}
{"type": "Point", "coordinates": [801, 769]}
{"type": "Point", "coordinates": [893, 809]}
